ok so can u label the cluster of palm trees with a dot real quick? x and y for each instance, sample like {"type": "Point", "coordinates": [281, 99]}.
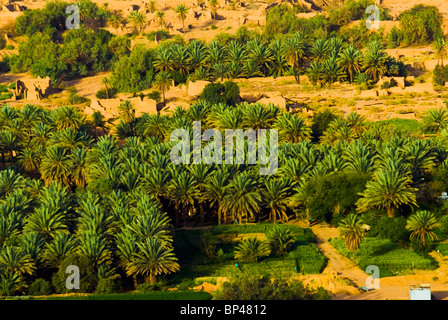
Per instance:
{"type": "Point", "coordinates": [109, 192]}
{"type": "Point", "coordinates": [324, 61]}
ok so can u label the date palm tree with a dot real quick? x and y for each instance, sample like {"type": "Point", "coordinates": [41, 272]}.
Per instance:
{"type": "Point", "coordinates": [435, 120]}
{"type": "Point", "coordinates": [350, 60]}
{"type": "Point", "coordinates": [138, 20]}
{"type": "Point", "coordinates": [183, 192]}
{"type": "Point", "coordinates": [440, 46]}
{"type": "Point", "coordinates": [56, 165]}
{"type": "Point", "coordinates": [352, 229]}
{"type": "Point", "coordinates": [213, 6]}
{"type": "Point", "coordinates": [182, 11]}
{"type": "Point", "coordinates": [161, 15]}
{"type": "Point", "coordinates": [275, 194]}
{"type": "Point", "coordinates": [295, 50]}
{"type": "Point", "coordinates": [422, 223]}
{"type": "Point", "coordinates": [153, 258]}
{"type": "Point", "coordinates": [292, 128]}
{"type": "Point", "coordinates": [374, 61]}
{"type": "Point", "coordinates": [252, 249]}
{"type": "Point", "coordinates": [215, 190]}
{"type": "Point", "coordinates": [389, 190]}
{"type": "Point", "coordinates": [14, 259]}
{"type": "Point", "coordinates": [46, 221]}
{"type": "Point", "coordinates": [243, 198]}
{"type": "Point", "coordinates": [320, 50]}
{"type": "Point", "coordinates": [59, 248]}
{"type": "Point", "coordinates": [163, 82]}
{"type": "Point", "coordinates": [94, 247]}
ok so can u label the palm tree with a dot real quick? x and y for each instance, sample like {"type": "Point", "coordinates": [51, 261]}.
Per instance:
{"type": "Point", "coordinates": [350, 60]}
{"type": "Point", "coordinates": [163, 60]}
{"type": "Point", "coordinates": [295, 50]}
{"type": "Point", "coordinates": [94, 247]}
{"type": "Point", "coordinates": [257, 116]}
{"type": "Point", "coordinates": [68, 117]}
{"type": "Point", "coordinates": [29, 160]}
{"type": "Point", "coordinates": [46, 221]}
{"type": "Point", "coordinates": [281, 240]}
{"type": "Point", "coordinates": [440, 47]}
{"type": "Point", "coordinates": [320, 50]}
{"type": "Point", "coordinates": [435, 120]}
{"type": "Point", "coordinates": [243, 198]}
{"type": "Point", "coordinates": [98, 122]}
{"type": "Point", "coordinates": [55, 165]}
{"type": "Point", "coordinates": [180, 58]}
{"type": "Point", "coordinates": [332, 70]}
{"type": "Point", "coordinates": [161, 15]}
{"type": "Point", "coordinates": [252, 249]}
{"type": "Point", "coordinates": [14, 259]}
{"type": "Point", "coordinates": [389, 190]}
{"type": "Point", "coordinates": [127, 111]}
{"type": "Point", "coordinates": [215, 190]}
{"type": "Point", "coordinates": [181, 11]}
{"type": "Point", "coordinates": [138, 20]}
{"type": "Point", "coordinates": [213, 6]}
{"type": "Point", "coordinates": [59, 248]}
{"type": "Point", "coordinates": [292, 128]}
{"type": "Point", "coordinates": [422, 223]}
{"type": "Point", "coordinates": [162, 83]}
{"type": "Point", "coordinates": [153, 258]}
{"type": "Point", "coordinates": [182, 193]}
{"type": "Point", "coordinates": [374, 61]}
{"type": "Point", "coordinates": [105, 81]}
{"type": "Point", "coordinates": [201, 173]}
{"type": "Point", "coordinates": [352, 228]}
{"type": "Point", "coordinates": [275, 197]}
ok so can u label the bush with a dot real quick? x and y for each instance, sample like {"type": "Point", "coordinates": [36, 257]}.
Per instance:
{"type": "Point", "coordinates": [155, 95]}
{"type": "Point", "coordinates": [421, 25]}
{"type": "Point", "coordinates": [88, 277]}
{"type": "Point", "coordinates": [109, 285]}
{"type": "Point", "coordinates": [308, 259]}
{"type": "Point", "coordinates": [393, 229]}
{"type": "Point", "coordinates": [110, 94]}
{"type": "Point", "coordinates": [249, 286]}
{"type": "Point", "coordinates": [215, 93]}
{"type": "Point", "coordinates": [40, 287]}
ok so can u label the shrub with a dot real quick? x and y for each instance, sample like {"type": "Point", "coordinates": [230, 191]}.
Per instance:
{"type": "Point", "coordinates": [109, 285]}
{"type": "Point", "coordinates": [215, 93]}
{"type": "Point", "coordinates": [249, 286]}
{"type": "Point", "coordinates": [110, 94]}
{"type": "Point", "coordinates": [421, 24]}
{"type": "Point", "coordinates": [40, 287]}
{"type": "Point", "coordinates": [155, 95]}
{"type": "Point", "coordinates": [87, 275]}
{"type": "Point", "coordinates": [393, 229]}
{"type": "Point", "coordinates": [147, 287]}
{"type": "Point", "coordinates": [308, 259]}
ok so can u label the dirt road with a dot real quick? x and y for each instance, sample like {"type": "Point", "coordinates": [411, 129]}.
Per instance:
{"type": "Point", "coordinates": [390, 288]}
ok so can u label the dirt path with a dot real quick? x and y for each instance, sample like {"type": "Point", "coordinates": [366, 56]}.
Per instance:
{"type": "Point", "coordinates": [391, 288]}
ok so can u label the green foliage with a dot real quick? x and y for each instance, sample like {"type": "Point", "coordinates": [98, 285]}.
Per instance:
{"type": "Point", "coordinates": [133, 73]}
{"type": "Point", "coordinates": [390, 228]}
{"type": "Point", "coordinates": [40, 287]}
{"type": "Point", "coordinates": [247, 286]}
{"type": "Point", "coordinates": [87, 275]}
{"type": "Point", "coordinates": [391, 258]}
{"type": "Point", "coordinates": [109, 94]}
{"type": "Point", "coordinates": [420, 25]}
{"type": "Point", "coordinates": [308, 259]}
{"type": "Point", "coordinates": [109, 285]}
{"type": "Point", "coordinates": [216, 93]}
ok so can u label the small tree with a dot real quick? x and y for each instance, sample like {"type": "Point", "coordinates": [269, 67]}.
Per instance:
{"type": "Point", "coordinates": [181, 11]}
{"type": "Point", "coordinates": [352, 228]}
{"type": "Point", "coordinates": [422, 224]}
{"type": "Point", "coordinates": [163, 82]}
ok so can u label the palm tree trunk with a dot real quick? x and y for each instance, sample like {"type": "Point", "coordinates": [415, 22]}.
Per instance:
{"type": "Point", "coordinates": [353, 259]}
{"type": "Point", "coordinates": [134, 278]}
{"type": "Point", "coordinates": [201, 213]}
{"type": "Point", "coordinates": [390, 212]}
